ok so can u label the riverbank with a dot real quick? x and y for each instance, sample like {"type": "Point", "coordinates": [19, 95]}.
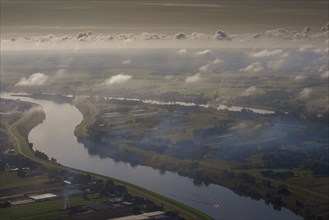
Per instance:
{"type": "Point", "coordinates": [22, 147]}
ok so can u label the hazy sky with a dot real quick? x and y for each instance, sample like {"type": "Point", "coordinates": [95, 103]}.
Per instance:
{"type": "Point", "coordinates": [30, 17]}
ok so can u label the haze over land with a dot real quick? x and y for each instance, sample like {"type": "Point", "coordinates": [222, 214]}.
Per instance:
{"type": "Point", "coordinates": [233, 93]}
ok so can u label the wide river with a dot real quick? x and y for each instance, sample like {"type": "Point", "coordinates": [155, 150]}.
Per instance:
{"type": "Point", "coordinates": [55, 137]}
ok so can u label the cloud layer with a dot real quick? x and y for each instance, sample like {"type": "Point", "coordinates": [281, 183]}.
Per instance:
{"type": "Point", "coordinates": [305, 93]}
{"type": "Point", "coordinates": [252, 90]}
{"type": "Point", "coordinates": [193, 79]}
{"type": "Point", "coordinates": [195, 39]}
{"type": "Point", "coordinates": [118, 79]}
{"type": "Point", "coordinates": [36, 79]}
{"type": "Point", "coordinates": [253, 67]}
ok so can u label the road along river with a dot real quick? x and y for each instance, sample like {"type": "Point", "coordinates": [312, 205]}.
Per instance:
{"type": "Point", "coordinates": [55, 137]}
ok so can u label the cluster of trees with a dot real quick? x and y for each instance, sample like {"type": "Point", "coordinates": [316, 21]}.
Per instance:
{"type": "Point", "coordinates": [155, 144]}
{"type": "Point", "coordinates": [276, 99]}
{"type": "Point", "coordinates": [320, 168]}
{"type": "Point", "coordinates": [246, 177]}
{"type": "Point", "coordinates": [292, 159]}
{"type": "Point", "coordinates": [57, 98]}
{"type": "Point", "coordinates": [283, 190]}
{"type": "Point", "coordinates": [14, 105]}
{"type": "Point", "coordinates": [37, 118]}
{"type": "Point", "coordinates": [5, 204]}
{"type": "Point", "coordinates": [108, 188]}
{"type": "Point", "coordinates": [13, 160]}
{"type": "Point", "coordinates": [205, 132]}
{"type": "Point", "coordinates": [277, 175]}
{"type": "Point", "coordinates": [41, 155]}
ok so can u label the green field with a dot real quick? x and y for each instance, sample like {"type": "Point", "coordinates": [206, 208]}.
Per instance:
{"type": "Point", "coordinates": [10, 180]}
{"type": "Point", "coordinates": [42, 210]}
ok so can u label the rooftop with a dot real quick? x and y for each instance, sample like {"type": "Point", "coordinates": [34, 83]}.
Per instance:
{"type": "Point", "coordinates": [42, 196]}
{"type": "Point", "coordinates": [148, 215]}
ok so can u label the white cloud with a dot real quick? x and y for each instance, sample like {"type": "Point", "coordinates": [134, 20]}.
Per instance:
{"type": "Point", "coordinates": [60, 73]}
{"type": "Point", "coordinates": [322, 68]}
{"type": "Point", "coordinates": [148, 36]}
{"type": "Point", "coordinates": [126, 62]}
{"type": "Point", "coordinates": [203, 53]}
{"type": "Point", "coordinates": [193, 79]}
{"type": "Point", "coordinates": [305, 93]}
{"type": "Point", "coordinates": [180, 36]}
{"type": "Point", "coordinates": [305, 48]}
{"type": "Point", "coordinates": [45, 38]}
{"type": "Point", "coordinates": [275, 64]}
{"type": "Point", "coordinates": [218, 61]}
{"type": "Point", "coordinates": [275, 38]}
{"type": "Point", "coordinates": [250, 91]}
{"type": "Point", "coordinates": [124, 37]}
{"type": "Point", "coordinates": [321, 51]}
{"type": "Point", "coordinates": [182, 51]}
{"type": "Point", "coordinates": [76, 49]}
{"type": "Point", "coordinates": [211, 66]}
{"type": "Point", "coordinates": [307, 30]}
{"type": "Point", "coordinates": [128, 41]}
{"type": "Point", "coordinates": [169, 77]}
{"type": "Point", "coordinates": [205, 68]}
{"type": "Point", "coordinates": [300, 78]}
{"type": "Point", "coordinates": [254, 67]}
{"type": "Point", "coordinates": [266, 53]}
{"type": "Point", "coordinates": [325, 75]}
{"type": "Point", "coordinates": [221, 35]}
{"type": "Point", "coordinates": [36, 79]}
{"type": "Point", "coordinates": [326, 42]}
{"type": "Point", "coordinates": [196, 35]}
{"type": "Point", "coordinates": [82, 36]}
{"type": "Point", "coordinates": [118, 79]}
{"type": "Point", "coordinates": [104, 38]}
{"type": "Point", "coordinates": [325, 27]}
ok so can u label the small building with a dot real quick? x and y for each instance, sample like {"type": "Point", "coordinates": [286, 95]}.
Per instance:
{"type": "Point", "coordinates": [43, 197]}
{"type": "Point", "coordinates": [11, 151]}
{"type": "Point", "coordinates": [127, 203]}
{"type": "Point", "coordinates": [131, 217]}
{"type": "Point", "coordinates": [115, 200]}
{"type": "Point", "coordinates": [21, 202]}
{"type": "Point", "coordinates": [157, 215]}
{"type": "Point", "coordinates": [67, 182]}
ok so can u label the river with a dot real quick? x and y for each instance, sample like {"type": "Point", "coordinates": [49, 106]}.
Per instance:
{"type": "Point", "coordinates": [191, 104]}
{"type": "Point", "coordinates": [55, 137]}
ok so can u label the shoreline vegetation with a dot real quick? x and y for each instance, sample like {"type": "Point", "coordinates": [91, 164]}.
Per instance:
{"type": "Point", "coordinates": [18, 132]}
